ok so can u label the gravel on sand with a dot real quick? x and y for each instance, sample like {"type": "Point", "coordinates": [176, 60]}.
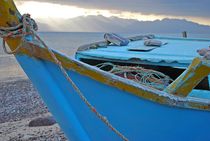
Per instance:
{"type": "Point", "coordinates": [20, 103]}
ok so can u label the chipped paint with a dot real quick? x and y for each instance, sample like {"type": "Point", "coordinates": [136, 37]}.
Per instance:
{"type": "Point", "coordinates": [11, 11]}
{"type": "Point", "coordinates": [185, 83]}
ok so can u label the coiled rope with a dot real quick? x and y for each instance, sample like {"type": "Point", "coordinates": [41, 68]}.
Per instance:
{"type": "Point", "coordinates": [29, 27]}
{"type": "Point", "coordinates": [148, 77]}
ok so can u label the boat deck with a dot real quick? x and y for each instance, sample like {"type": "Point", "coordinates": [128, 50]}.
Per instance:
{"type": "Point", "coordinates": [178, 52]}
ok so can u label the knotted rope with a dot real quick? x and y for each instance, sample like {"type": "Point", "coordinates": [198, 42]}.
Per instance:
{"type": "Point", "coordinates": [148, 77]}
{"type": "Point", "coordinates": [28, 27]}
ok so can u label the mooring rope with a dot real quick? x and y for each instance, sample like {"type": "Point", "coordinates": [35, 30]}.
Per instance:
{"type": "Point", "coordinates": [29, 27]}
{"type": "Point", "coordinates": [148, 77]}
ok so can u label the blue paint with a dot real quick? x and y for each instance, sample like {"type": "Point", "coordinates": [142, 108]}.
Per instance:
{"type": "Point", "coordinates": [53, 96]}
{"type": "Point", "coordinates": [209, 80]}
{"type": "Point", "coordinates": [136, 118]}
{"type": "Point", "coordinates": [178, 52]}
{"type": "Point", "coordinates": [149, 61]}
{"type": "Point", "coordinates": [29, 38]}
{"type": "Point", "coordinates": [200, 94]}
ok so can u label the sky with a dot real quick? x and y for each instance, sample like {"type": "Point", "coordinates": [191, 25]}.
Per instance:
{"type": "Point", "coordinates": [54, 12]}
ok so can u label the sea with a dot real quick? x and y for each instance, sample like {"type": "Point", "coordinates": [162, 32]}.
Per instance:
{"type": "Point", "coordinates": [65, 42]}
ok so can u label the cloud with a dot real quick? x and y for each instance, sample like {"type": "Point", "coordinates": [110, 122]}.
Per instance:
{"type": "Point", "coordinates": [193, 8]}
{"type": "Point", "coordinates": [65, 11]}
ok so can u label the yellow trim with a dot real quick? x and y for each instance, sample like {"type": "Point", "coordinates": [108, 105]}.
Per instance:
{"type": "Point", "coordinates": [184, 84]}
{"type": "Point", "coordinates": [41, 53]}
{"type": "Point", "coordinates": [9, 17]}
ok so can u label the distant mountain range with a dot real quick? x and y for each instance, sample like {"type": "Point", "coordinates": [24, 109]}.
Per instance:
{"type": "Point", "coordinates": [114, 24]}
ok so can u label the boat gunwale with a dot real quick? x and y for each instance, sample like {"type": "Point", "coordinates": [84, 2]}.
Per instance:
{"type": "Point", "coordinates": [129, 86]}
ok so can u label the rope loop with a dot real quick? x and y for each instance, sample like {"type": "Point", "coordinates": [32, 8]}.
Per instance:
{"type": "Point", "coordinates": [13, 51]}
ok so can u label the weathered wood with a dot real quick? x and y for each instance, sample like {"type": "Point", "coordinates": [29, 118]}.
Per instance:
{"type": "Point", "coordinates": [196, 72]}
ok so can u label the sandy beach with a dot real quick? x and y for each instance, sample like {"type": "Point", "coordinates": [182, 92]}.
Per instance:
{"type": "Point", "coordinates": [19, 104]}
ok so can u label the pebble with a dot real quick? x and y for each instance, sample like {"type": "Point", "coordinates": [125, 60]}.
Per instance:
{"type": "Point", "coordinates": [44, 121]}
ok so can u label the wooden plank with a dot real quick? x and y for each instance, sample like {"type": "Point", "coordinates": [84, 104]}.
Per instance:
{"type": "Point", "coordinates": [196, 72]}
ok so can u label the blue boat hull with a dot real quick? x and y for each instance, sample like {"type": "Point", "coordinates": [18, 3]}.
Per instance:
{"type": "Point", "coordinates": [138, 119]}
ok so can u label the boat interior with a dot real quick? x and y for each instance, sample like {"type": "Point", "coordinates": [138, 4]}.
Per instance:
{"type": "Point", "coordinates": [172, 72]}
{"type": "Point", "coordinates": [172, 58]}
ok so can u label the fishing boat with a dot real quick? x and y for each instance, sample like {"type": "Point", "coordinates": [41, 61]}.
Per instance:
{"type": "Point", "coordinates": [92, 103]}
